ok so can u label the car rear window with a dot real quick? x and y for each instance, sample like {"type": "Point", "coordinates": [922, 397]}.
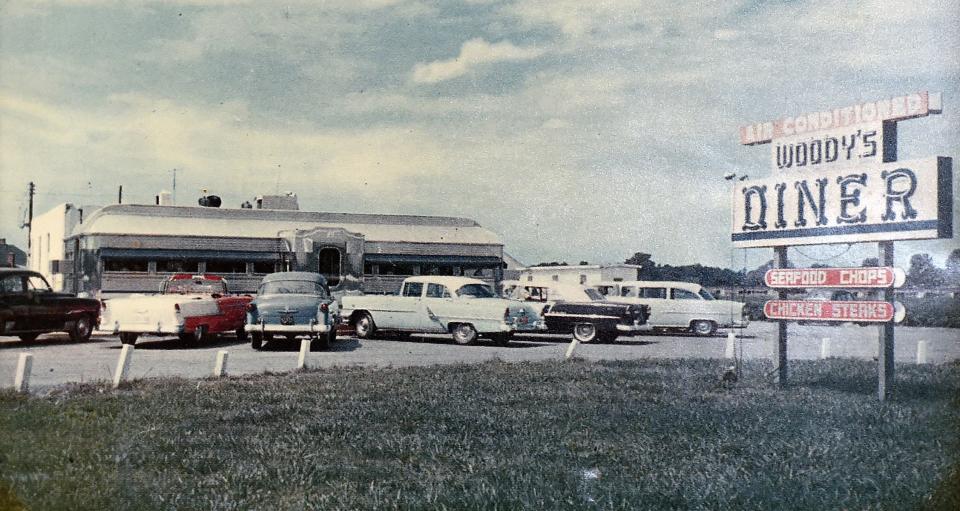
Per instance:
{"type": "Point", "coordinates": [292, 287]}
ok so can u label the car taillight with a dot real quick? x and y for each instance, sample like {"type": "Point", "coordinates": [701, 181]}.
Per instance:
{"type": "Point", "coordinates": [176, 307]}
{"type": "Point", "coordinates": [546, 309]}
{"type": "Point", "coordinates": [506, 314]}
{"type": "Point", "coordinates": [324, 307]}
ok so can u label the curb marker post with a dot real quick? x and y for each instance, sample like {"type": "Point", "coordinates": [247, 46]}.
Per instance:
{"type": "Point", "coordinates": [571, 348]}
{"type": "Point", "coordinates": [220, 369]}
{"type": "Point", "coordinates": [921, 352]}
{"type": "Point", "coordinates": [730, 351]}
{"type": "Point", "coordinates": [304, 349]}
{"type": "Point", "coordinates": [825, 348]}
{"type": "Point", "coordinates": [21, 383]}
{"type": "Point", "coordinates": [123, 365]}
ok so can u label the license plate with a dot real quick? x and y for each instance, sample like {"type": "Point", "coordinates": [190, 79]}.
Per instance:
{"type": "Point", "coordinates": [286, 319]}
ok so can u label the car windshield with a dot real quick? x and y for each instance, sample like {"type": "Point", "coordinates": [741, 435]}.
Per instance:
{"type": "Point", "coordinates": [476, 291]}
{"type": "Point", "coordinates": [190, 286]}
{"type": "Point", "coordinates": [705, 294]}
{"type": "Point", "coordinates": [37, 283]}
{"type": "Point", "coordinates": [292, 287]}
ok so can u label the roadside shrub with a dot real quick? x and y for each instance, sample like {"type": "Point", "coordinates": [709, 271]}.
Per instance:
{"type": "Point", "coordinates": [932, 311]}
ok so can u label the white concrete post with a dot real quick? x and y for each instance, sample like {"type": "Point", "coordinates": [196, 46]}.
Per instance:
{"type": "Point", "coordinates": [21, 383]}
{"type": "Point", "coordinates": [571, 348]}
{"type": "Point", "coordinates": [123, 365]}
{"type": "Point", "coordinates": [220, 369]}
{"type": "Point", "coordinates": [304, 349]}
{"type": "Point", "coordinates": [731, 350]}
{"type": "Point", "coordinates": [825, 348]}
{"type": "Point", "coordinates": [921, 352]}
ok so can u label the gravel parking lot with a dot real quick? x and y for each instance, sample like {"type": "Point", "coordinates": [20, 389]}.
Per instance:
{"type": "Point", "coordinates": [57, 361]}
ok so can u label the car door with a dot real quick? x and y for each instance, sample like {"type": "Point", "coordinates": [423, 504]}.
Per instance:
{"type": "Point", "coordinates": [686, 306]}
{"type": "Point", "coordinates": [662, 309]}
{"type": "Point", "coordinates": [46, 312]}
{"type": "Point", "coordinates": [436, 308]}
{"type": "Point", "coordinates": [404, 310]}
{"type": "Point", "coordinates": [14, 304]}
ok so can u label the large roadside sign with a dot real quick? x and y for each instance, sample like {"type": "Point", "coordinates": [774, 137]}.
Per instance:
{"type": "Point", "coordinates": [822, 310]}
{"type": "Point", "coordinates": [907, 200]}
{"type": "Point", "coordinates": [866, 277]}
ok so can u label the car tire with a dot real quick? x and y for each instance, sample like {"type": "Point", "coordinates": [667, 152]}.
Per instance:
{"type": "Point", "coordinates": [256, 340]}
{"type": "Point", "coordinates": [585, 332]}
{"type": "Point", "coordinates": [365, 326]}
{"type": "Point", "coordinates": [242, 334]}
{"type": "Point", "coordinates": [129, 338]}
{"type": "Point", "coordinates": [28, 337]}
{"type": "Point", "coordinates": [464, 334]}
{"type": "Point", "coordinates": [703, 327]}
{"type": "Point", "coordinates": [81, 330]}
{"type": "Point", "coordinates": [201, 334]}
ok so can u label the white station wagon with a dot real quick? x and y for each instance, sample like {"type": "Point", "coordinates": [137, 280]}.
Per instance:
{"type": "Point", "coordinates": [464, 307]}
{"type": "Point", "coordinates": [678, 305]}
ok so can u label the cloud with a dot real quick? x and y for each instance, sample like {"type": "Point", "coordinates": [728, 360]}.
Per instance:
{"type": "Point", "coordinates": [473, 53]}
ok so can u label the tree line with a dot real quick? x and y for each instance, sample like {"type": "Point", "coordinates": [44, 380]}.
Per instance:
{"type": "Point", "coordinates": [922, 273]}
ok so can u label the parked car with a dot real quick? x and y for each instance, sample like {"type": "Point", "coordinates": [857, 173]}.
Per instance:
{"type": "Point", "coordinates": [578, 310]}
{"type": "Point", "coordinates": [292, 304]}
{"type": "Point", "coordinates": [29, 307]}
{"type": "Point", "coordinates": [678, 305]}
{"type": "Point", "coordinates": [192, 307]}
{"type": "Point", "coordinates": [464, 307]}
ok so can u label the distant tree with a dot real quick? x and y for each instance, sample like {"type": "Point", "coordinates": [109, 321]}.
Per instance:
{"type": "Point", "coordinates": [952, 273]}
{"type": "Point", "coordinates": [552, 263]}
{"type": "Point", "coordinates": [754, 278]}
{"type": "Point", "coordinates": [870, 261]}
{"type": "Point", "coordinates": [819, 265]}
{"type": "Point", "coordinates": [639, 259]}
{"type": "Point", "coordinates": [923, 273]}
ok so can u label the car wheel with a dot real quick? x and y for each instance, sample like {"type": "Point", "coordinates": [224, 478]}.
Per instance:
{"type": "Point", "coordinates": [256, 340]}
{"type": "Point", "coordinates": [241, 334]}
{"type": "Point", "coordinates": [365, 326]}
{"type": "Point", "coordinates": [585, 332]}
{"type": "Point", "coordinates": [500, 339]}
{"type": "Point", "coordinates": [200, 334]}
{"type": "Point", "coordinates": [82, 328]}
{"type": "Point", "coordinates": [464, 333]}
{"type": "Point", "coordinates": [703, 327]}
{"type": "Point", "coordinates": [129, 338]}
{"type": "Point", "coordinates": [28, 337]}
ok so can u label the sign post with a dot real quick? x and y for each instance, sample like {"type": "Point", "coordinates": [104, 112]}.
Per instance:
{"type": "Point", "coordinates": [780, 261]}
{"type": "Point", "coordinates": [885, 350]}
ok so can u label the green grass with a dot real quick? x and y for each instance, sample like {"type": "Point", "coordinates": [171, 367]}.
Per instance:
{"type": "Point", "coordinates": [661, 434]}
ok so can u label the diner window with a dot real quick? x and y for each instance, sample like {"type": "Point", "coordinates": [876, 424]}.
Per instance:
{"type": "Point", "coordinates": [226, 266]}
{"type": "Point", "coordinates": [396, 269]}
{"type": "Point", "coordinates": [178, 266]}
{"type": "Point", "coordinates": [117, 264]}
{"type": "Point", "coordinates": [330, 265]}
{"type": "Point", "coordinates": [264, 267]}
{"type": "Point", "coordinates": [370, 268]}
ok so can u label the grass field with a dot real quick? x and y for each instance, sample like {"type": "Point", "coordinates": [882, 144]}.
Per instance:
{"type": "Point", "coordinates": [651, 434]}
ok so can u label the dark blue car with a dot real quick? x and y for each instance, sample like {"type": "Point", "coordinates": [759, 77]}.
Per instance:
{"type": "Point", "coordinates": [293, 304]}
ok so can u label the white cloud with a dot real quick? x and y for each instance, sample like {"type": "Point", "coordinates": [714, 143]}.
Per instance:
{"type": "Point", "coordinates": [473, 53]}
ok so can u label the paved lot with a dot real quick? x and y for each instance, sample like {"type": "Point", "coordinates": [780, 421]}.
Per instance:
{"type": "Point", "coordinates": [56, 360]}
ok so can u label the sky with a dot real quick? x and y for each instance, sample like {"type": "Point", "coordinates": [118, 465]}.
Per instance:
{"type": "Point", "coordinates": [574, 130]}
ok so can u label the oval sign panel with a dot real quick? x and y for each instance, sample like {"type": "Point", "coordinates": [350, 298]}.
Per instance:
{"type": "Point", "coordinates": [824, 310]}
{"type": "Point", "coordinates": [834, 277]}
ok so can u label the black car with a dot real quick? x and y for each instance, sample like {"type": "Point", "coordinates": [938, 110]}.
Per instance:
{"type": "Point", "coordinates": [580, 311]}
{"type": "Point", "coordinates": [29, 307]}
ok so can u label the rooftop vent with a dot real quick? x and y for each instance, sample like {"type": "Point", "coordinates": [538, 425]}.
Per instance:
{"type": "Point", "coordinates": [285, 201]}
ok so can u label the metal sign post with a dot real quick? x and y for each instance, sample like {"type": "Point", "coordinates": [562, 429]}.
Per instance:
{"type": "Point", "coordinates": [885, 351]}
{"type": "Point", "coordinates": [780, 261]}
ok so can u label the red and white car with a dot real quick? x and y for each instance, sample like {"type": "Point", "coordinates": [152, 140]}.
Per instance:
{"type": "Point", "coordinates": [192, 307]}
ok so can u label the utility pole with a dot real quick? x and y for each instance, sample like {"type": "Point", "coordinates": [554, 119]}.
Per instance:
{"type": "Point", "coordinates": [29, 225]}
{"type": "Point", "coordinates": [120, 195]}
